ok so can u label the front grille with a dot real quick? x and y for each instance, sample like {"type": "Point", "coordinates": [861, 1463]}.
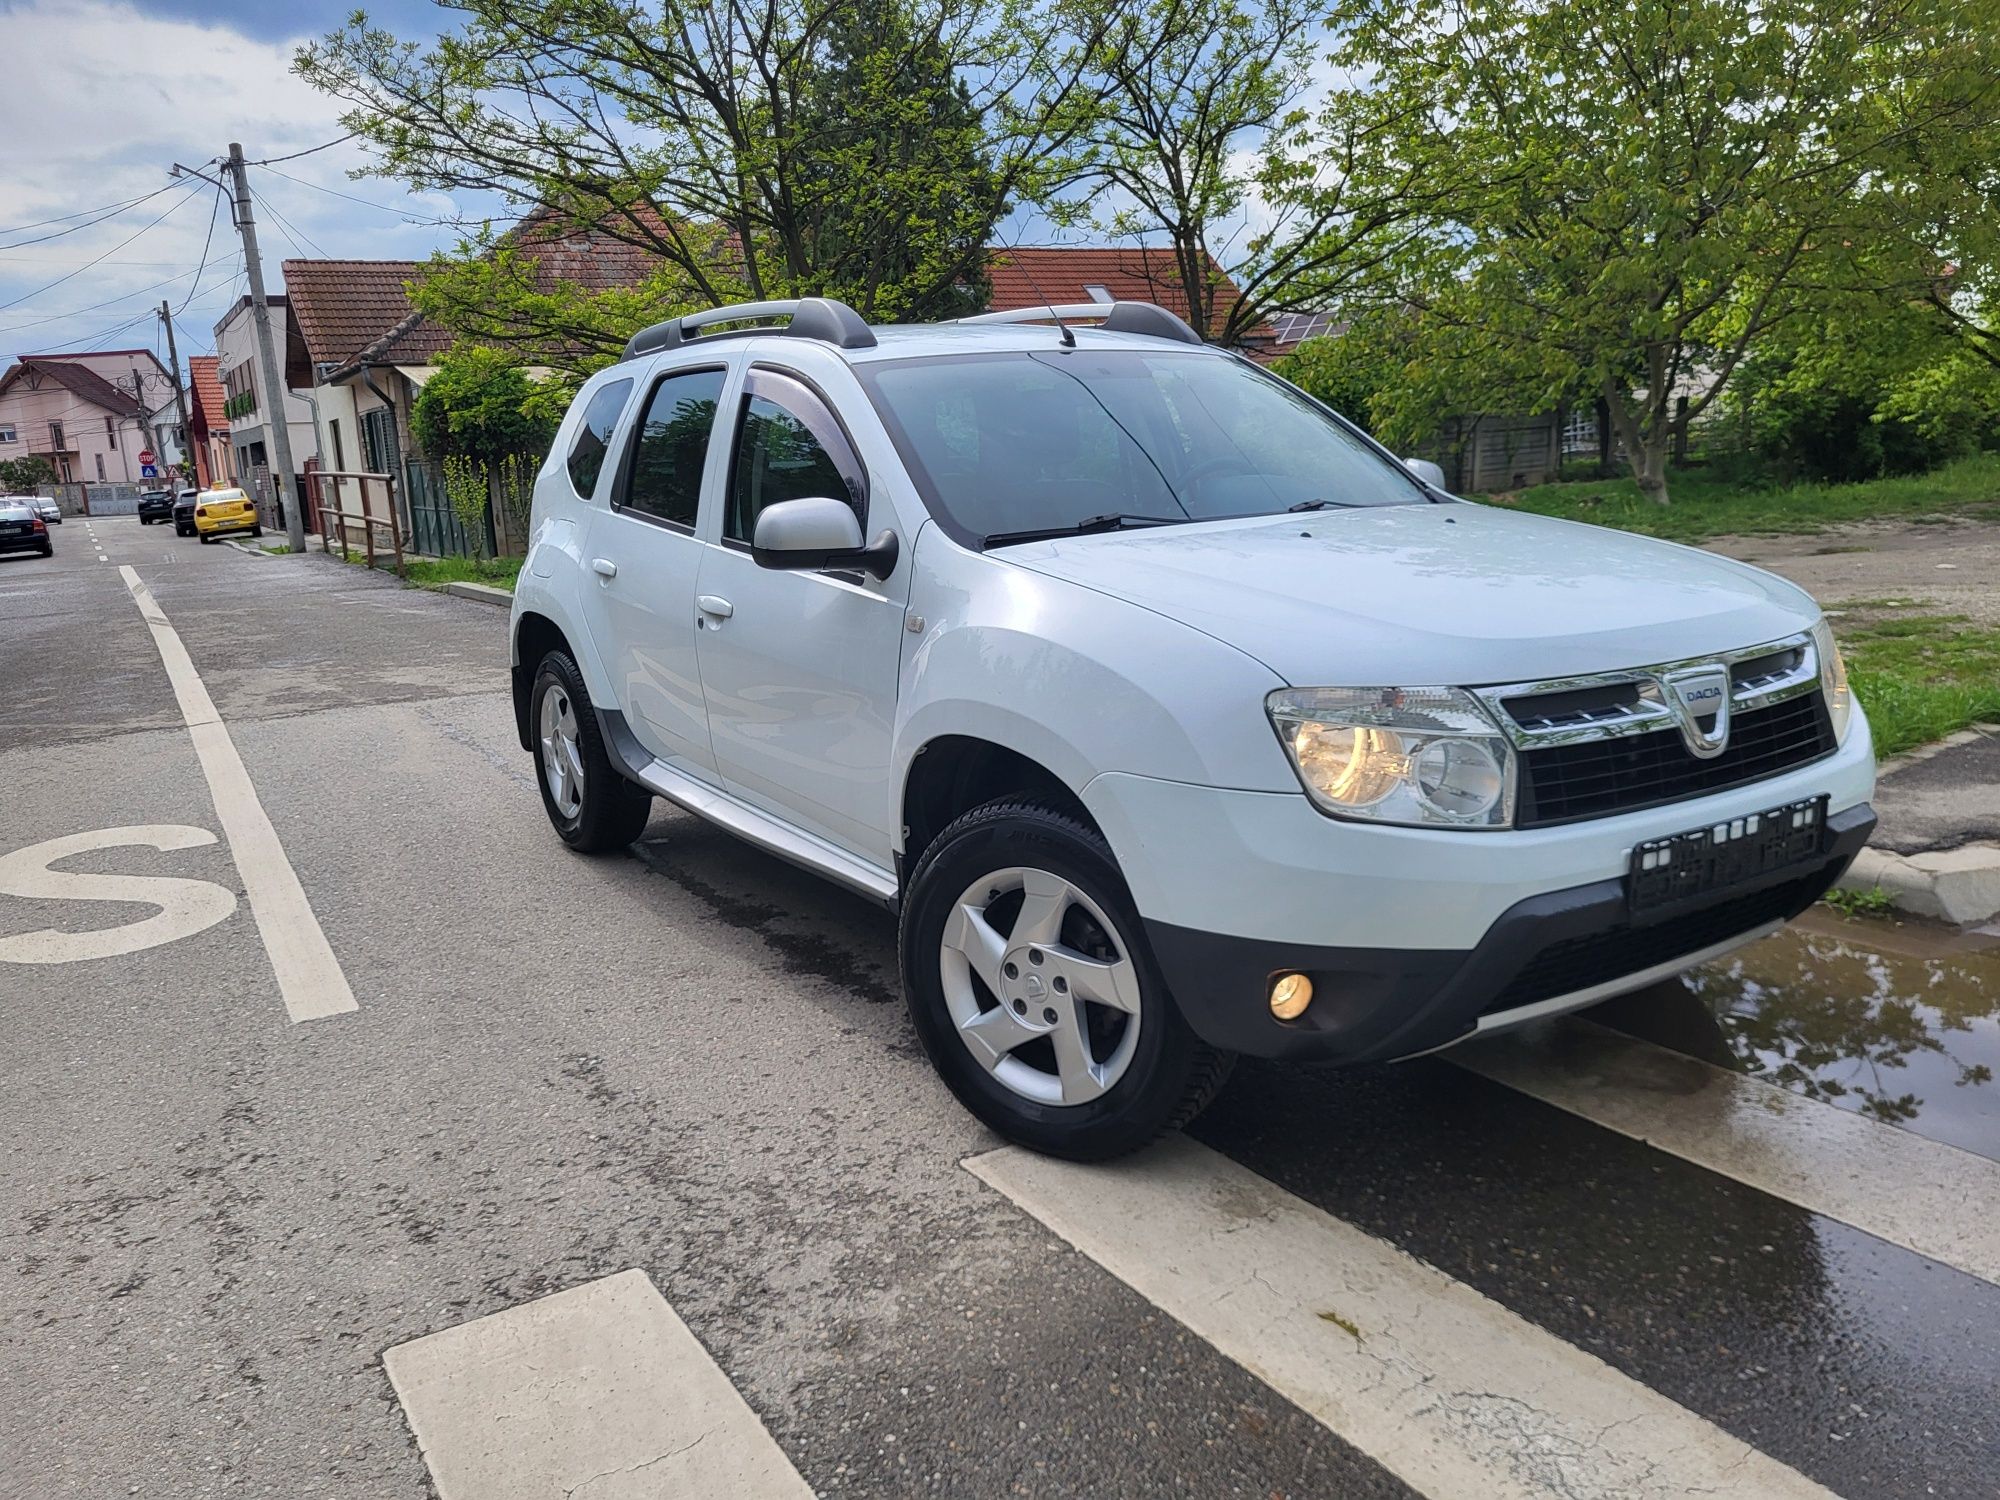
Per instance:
{"type": "Point", "coordinates": [1578, 963]}
{"type": "Point", "coordinates": [1594, 778]}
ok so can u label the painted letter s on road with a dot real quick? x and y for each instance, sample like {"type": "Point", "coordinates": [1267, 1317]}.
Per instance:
{"type": "Point", "coordinates": [186, 906]}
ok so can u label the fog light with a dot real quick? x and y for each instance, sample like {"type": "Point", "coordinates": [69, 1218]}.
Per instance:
{"type": "Point", "coordinates": [1290, 995]}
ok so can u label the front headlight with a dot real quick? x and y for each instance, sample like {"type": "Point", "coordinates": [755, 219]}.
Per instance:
{"type": "Point", "coordinates": [1413, 756]}
{"type": "Point", "coordinates": [1833, 679]}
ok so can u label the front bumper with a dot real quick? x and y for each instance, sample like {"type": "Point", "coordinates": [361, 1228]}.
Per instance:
{"type": "Point", "coordinates": [1544, 955]}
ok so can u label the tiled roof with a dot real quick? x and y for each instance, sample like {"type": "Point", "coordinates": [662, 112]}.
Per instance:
{"type": "Point", "coordinates": [1032, 276]}
{"type": "Point", "coordinates": [79, 381]}
{"type": "Point", "coordinates": [206, 381]}
{"type": "Point", "coordinates": [340, 307]}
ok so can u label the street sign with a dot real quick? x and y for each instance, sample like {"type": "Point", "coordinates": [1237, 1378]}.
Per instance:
{"type": "Point", "coordinates": [146, 458]}
{"type": "Point", "coordinates": [149, 471]}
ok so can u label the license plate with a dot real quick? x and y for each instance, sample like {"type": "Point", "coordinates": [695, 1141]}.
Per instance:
{"type": "Point", "coordinates": [1705, 860]}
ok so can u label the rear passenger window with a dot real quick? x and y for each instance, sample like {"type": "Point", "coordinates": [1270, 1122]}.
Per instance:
{"type": "Point", "coordinates": [593, 437]}
{"type": "Point", "coordinates": [788, 448]}
{"type": "Point", "coordinates": [672, 447]}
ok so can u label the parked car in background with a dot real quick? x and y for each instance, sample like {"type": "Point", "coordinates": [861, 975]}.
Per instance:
{"type": "Point", "coordinates": [1178, 719]}
{"type": "Point", "coordinates": [47, 509]}
{"type": "Point", "coordinates": [22, 528]}
{"type": "Point", "coordinates": [219, 511]}
{"type": "Point", "coordinates": [184, 504]}
{"type": "Point", "coordinates": [155, 505]}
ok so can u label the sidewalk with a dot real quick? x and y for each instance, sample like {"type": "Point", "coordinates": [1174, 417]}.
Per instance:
{"type": "Point", "coordinates": [1937, 850]}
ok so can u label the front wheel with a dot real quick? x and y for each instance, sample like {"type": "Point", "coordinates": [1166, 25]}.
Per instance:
{"type": "Point", "coordinates": [1034, 994]}
{"type": "Point", "coordinates": [594, 809]}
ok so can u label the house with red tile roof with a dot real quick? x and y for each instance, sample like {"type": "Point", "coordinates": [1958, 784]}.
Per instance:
{"type": "Point", "coordinates": [84, 413]}
{"type": "Point", "coordinates": [1035, 275]}
{"type": "Point", "coordinates": [208, 426]}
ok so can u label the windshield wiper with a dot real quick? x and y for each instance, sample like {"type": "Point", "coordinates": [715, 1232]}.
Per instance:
{"type": "Point", "coordinates": [1115, 521]}
{"type": "Point", "coordinates": [1320, 505]}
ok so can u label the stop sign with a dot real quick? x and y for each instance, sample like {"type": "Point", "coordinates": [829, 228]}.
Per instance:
{"type": "Point", "coordinates": [145, 455]}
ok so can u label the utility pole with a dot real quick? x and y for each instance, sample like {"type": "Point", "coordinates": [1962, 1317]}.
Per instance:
{"type": "Point", "coordinates": [274, 375]}
{"type": "Point", "coordinates": [180, 399]}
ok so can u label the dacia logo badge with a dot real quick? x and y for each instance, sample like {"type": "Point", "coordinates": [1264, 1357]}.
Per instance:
{"type": "Point", "coordinates": [1699, 698]}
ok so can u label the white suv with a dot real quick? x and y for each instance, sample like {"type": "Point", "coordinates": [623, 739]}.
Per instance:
{"type": "Point", "coordinates": [1175, 717]}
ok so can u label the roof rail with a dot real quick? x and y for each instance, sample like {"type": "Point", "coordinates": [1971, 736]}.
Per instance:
{"type": "Point", "coordinates": [1119, 317]}
{"type": "Point", "coordinates": [811, 318]}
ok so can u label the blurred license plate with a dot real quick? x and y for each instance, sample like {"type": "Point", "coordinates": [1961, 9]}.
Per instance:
{"type": "Point", "coordinates": [1704, 860]}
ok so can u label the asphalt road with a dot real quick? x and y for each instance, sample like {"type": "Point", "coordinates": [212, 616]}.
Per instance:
{"type": "Point", "coordinates": [691, 1061]}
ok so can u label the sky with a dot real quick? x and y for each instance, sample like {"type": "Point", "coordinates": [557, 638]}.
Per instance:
{"type": "Point", "coordinates": [106, 95]}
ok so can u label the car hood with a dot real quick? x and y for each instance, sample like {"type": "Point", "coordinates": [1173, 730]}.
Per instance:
{"type": "Point", "coordinates": [1457, 594]}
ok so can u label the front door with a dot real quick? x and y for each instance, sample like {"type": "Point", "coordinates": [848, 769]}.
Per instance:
{"type": "Point", "coordinates": [799, 669]}
{"type": "Point", "coordinates": [645, 560]}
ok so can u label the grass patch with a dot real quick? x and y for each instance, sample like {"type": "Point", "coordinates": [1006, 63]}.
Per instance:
{"type": "Point", "coordinates": [435, 573]}
{"type": "Point", "coordinates": [1706, 504]}
{"type": "Point", "coordinates": [1869, 903]}
{"type": "Point", "coordinates": [1922, 677]}
{"type": "Point", "coordinates": [278, 549]}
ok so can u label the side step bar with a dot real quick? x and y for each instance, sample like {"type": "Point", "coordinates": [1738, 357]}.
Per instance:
{"type": "Point", "coordinates": [739, 817]}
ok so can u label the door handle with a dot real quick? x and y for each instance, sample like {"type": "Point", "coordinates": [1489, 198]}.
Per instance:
{"type": "Point", "coordinates": [604, 567]}
{"type": "Point", "coordinates": [714, 604]}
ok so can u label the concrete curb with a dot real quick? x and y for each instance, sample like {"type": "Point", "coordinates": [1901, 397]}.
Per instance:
{"type": "Point", "coordinates": [248, 549]}
{"type": "Point", "coordinates": [484, 593]}
{"type": "Point", "coordinates": [1960, 886]}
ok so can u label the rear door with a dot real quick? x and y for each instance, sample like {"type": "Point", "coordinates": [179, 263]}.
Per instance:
{"type": "Point", "coordinates": [644, 560]}
{"type": "Point", "coordinates": [799, 669]}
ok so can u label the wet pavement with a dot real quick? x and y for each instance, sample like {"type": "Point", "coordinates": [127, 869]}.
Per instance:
{"type": "Point", "coordinates": [1895, 1020]}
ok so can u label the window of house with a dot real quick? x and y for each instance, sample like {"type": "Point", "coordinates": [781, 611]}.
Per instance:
{"type": "Point", "coordinates": [56, 437]}
{"type": "Point", "coordinates": [100, 468]}
{"type": "Point", "coordinates": [593, 436]}
{"type": "Point", "coordinates": [1098, 292]}
{"type": "Point", "coordinates": [378, 440]}
{"type": "Point", "coordinates": [7, 433]}
{"type": "Point", "coordinates": [788, 447]}
{"type": "Point", "coordinates": [339, 457]}
{"type": "Point", "coordinates": [110, 436]}
{"type": "Point", "coordinates": [671, 447]}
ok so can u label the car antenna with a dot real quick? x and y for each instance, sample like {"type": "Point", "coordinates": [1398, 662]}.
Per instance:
{"type": "Point", "coordinates": [1068, 338]}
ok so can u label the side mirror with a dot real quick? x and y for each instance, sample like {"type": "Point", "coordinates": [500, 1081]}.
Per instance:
{"type": "Point", "coordinates": [804, 536]}
{"type": "Point", "coordinates": [1427, 471]}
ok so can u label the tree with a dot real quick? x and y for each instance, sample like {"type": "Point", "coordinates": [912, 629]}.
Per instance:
{"type": "Point", "coordinates": [481, 406]}
{"type": "Point", "coordinates": [746, 148]}
{"type": "Point", "coordinates": [21, 476]}
{"type": "Point", "coordinates": [1203, 137]}
{"type": "Point", "coordinates": [1626, 198]}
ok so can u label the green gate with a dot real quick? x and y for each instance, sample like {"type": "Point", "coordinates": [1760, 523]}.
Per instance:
{"type": "Point", "coordinates": [435, 528]}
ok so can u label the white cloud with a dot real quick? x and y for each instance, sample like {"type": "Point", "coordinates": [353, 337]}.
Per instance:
{"type": "Point", "coordinates": [133, 95]}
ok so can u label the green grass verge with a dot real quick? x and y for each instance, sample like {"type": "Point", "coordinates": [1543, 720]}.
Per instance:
{"type": "Point", "coordinates": [1922, 676]}
{"type": "Point", "coordinates": [1870, 903]}
{"type": "Point", "coordinates": [496, 572]}
{"type": "Point", "coordinates": [1706, 504]}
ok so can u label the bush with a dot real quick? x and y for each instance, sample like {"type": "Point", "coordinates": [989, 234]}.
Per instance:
{"type": "Point", "coordinates": [480, 406]}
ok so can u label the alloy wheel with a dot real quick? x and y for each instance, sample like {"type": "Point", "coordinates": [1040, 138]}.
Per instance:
{"type": "Point", "coordinates": [1041, 986]}
{"type": "Point", "coordinates": [562, 760]}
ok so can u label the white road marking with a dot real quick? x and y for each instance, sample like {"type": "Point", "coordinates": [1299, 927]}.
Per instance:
{"type": "Point", "coordinates": [309, 976]}
{"type": "Point", "coordinates": [1443, 1387]}
{"type": "Point", "coordinates": [1928, 1197]}
{"type": "Point", "coordinates": [185, 906]}
{"type": "Point", "coordinates": [602, 1384]}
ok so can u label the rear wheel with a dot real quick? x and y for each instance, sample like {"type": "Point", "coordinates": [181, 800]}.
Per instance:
{"type": "Point", "coordinates": [1033, 992]}
{"type": "Point", "coordinates": [594, 808]}
{"type": "Point", "coordinates": [256, 531]}
{"type": "Point", "coordinates": [206, 539]}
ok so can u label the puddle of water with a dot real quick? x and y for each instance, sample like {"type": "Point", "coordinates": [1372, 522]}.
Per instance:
{"type": "Point", "coordinates": [1897, 1022]}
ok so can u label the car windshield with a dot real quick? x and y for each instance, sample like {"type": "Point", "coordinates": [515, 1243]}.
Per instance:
{"type": "Point", "coordinates": [1032, 441]}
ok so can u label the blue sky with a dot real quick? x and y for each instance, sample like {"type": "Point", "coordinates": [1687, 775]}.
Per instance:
{"type": "Point", "coordinates": [146, 85]}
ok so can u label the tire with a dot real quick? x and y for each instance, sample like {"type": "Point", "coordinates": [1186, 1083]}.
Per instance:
{"type": "Point", "coordinates": [207, 540]}
{"type": "Point", "coordinates": [1141, 1070]}
{"type": "Point", "coordinates": [49, 551]}
{"type": "Point", "coordinates": [605, 812]}
{"type": "Point", "coordinates": [256, 531]}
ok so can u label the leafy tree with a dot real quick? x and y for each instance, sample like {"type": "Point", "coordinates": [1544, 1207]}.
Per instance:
{"type": "Point", "coordinates": [481, 406]}
{"type": "Point", "coordinates": [745, 148]}
{"type": "Point", "coordinates": [20, 476]}
{"type": "Point", "coordinates": [1627, 198]}
{"type": "Point", "coordinates": [1203, 139]}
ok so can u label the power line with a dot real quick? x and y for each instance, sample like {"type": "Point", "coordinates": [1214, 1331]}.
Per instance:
{"type": "Point", "coordinates": [77, 312]}
{"type": "Point", "coordinates": [323, 146]}
{"type": "Point", "coordinates": [336, 193]}
{"type": "Point", "coordinates": [214, 212]}
{"type": "Point", "coordinates": [292, 231]}
{"type": "Point", "coordinates": [114, 212]}
{"type": "Point", "coordinates": [178, 203]}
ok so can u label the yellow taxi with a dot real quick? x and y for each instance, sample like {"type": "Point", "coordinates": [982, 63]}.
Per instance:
{"type": "Point", "coordinates": [217, 511]}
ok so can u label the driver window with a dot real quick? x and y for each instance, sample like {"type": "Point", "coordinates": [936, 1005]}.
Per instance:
{"type": "Point", "coordinates": [788, 447]}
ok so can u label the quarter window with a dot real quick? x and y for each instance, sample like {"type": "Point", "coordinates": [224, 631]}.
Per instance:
{"type": "Point", "coordinates": [788, 448]}
{"type": "Point", "coordinates": [593, 436]}
{"type": "Point", "coordinates": [671, 447]}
